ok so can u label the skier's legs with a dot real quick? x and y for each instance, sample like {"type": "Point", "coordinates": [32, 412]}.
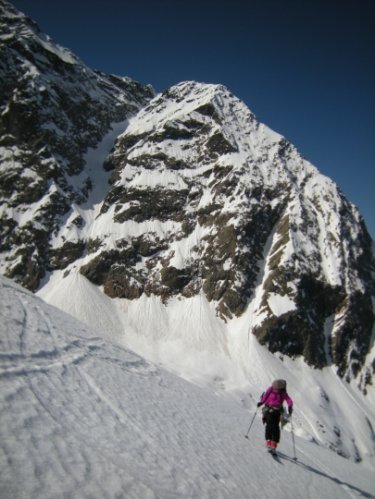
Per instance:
{"type": "Point", "coordinates": [272, 426]}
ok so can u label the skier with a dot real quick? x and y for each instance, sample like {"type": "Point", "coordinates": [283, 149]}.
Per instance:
{"type": "Point", "coordinates": [273, 399]}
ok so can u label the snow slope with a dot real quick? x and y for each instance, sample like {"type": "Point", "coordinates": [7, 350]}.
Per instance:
{"type": "Point", "coordinates": [188, 338]}
{"type": "Point", "coordinates": [83, 417]}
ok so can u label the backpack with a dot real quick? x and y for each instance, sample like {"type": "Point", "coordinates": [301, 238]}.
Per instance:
{"type": "Point", "coordinates": [279, 384]}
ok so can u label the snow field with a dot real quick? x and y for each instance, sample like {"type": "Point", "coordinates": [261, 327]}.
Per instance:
{"type": "Point", "coordinates": [82, 417]}
{"type": "Point", "coordinates": [189, 339]}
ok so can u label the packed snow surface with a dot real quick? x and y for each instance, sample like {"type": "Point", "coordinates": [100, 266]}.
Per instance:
{"type": "Point", "coordinates": [83, 417]}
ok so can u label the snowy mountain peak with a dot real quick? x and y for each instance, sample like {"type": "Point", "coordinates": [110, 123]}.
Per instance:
{"type": "Point", "coordinates": [209, 199]}
{"type": "Point", "coordinates": [17, 28]}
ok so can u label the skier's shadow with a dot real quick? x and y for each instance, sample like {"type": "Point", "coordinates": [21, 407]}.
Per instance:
{"type": "Point", "coordinates": [321, 473]}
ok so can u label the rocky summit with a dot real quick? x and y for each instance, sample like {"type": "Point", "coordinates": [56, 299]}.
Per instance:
{"type": "Point", "coordinates": [178, 194]}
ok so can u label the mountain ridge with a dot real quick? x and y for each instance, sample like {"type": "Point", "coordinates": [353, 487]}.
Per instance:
{"type": "Point", "coordinates": [53, 108]}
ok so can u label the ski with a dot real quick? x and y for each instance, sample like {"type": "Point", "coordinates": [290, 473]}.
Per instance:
{"type": "Point", "coordinates": [274, 455]}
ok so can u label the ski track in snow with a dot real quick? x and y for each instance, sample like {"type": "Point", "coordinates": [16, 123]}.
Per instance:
{"type": "Point", "coordinates": [84, 418]}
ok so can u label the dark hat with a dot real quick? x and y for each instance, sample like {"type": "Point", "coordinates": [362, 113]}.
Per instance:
{"type": "Point", "coordinates": [279, 384]}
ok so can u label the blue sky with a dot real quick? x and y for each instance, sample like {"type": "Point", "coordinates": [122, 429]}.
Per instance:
{"type": "Point", "coordinates": [306, 68]}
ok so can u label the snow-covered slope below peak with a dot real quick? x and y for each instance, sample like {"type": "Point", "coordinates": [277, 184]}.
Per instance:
{"type": "Point", "coordinates": [81, 417]}
{"type": "Point", "coordinates": [186, 337]}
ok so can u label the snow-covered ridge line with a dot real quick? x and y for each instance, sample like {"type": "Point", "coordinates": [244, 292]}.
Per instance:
{"type": "Point", "coordinates": [28, 28]}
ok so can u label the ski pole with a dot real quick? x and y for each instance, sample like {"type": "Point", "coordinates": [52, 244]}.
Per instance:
{"type": "Point", "coordinates": [251, 424]}
{"type": "Point", "coordinates": [294, 444]}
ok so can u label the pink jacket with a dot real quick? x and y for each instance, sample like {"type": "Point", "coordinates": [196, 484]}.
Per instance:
{"type": "Point", "coordinates": [274, 398]}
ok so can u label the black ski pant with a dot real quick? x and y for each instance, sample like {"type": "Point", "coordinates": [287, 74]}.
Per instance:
{"type": "Point", "coordinates": [272, 420]}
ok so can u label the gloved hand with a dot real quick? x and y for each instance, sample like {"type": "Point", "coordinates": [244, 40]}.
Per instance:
{"type": "Point", "coordinates": [259, 404]}
{"type": "Point", "coordinates": [290, 410]}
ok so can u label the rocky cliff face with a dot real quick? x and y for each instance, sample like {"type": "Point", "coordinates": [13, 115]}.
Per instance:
{"type": "Point", "coordinates": [52, 109]}
{"type": "Point", "coordinates": [196, 196]}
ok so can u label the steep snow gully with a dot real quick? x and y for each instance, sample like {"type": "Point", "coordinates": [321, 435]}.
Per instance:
{"type": "Point", "coordinates": [82, 417]}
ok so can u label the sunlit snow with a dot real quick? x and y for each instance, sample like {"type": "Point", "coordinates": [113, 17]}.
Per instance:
{"type": "Point", "coordinates": [280, 304]}
{"type": "Point", "coordinates": [83, 417]}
